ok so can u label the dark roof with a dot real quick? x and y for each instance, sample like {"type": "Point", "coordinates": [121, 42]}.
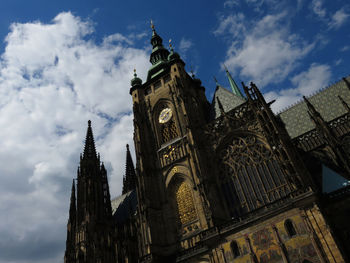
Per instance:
{"type": "Point", "coordinates": [124, 206]}
{"type": "Point", "coordinates": [228, 100]}
{"type": "Point", "coordinates": [326, 102]}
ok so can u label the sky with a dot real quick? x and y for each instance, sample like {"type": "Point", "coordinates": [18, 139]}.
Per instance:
{"type": "Point", "coordinates": [65, 62]}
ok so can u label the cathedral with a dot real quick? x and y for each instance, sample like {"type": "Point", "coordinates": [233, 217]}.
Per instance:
{"type": "Point", "coordinates": [226, 181]}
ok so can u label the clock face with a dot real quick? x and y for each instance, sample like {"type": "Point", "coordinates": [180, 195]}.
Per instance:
{"type": "Point", "coordinates": [165, 115]}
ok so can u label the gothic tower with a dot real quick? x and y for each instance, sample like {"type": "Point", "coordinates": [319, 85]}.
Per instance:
{"type": "Point", "coordinates": [168, 110]}
{"type": "Point", "coordinates": [90, 231]}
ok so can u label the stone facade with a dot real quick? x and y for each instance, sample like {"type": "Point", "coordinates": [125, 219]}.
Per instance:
{"type": "Point", "coordinates": [228, 181]}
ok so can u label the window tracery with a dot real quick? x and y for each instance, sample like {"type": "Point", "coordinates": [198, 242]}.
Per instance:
{"type": "Point", "coordinates": [251, 176]}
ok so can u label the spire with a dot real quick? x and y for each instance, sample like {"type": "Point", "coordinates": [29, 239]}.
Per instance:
{"type": "Point", "coordinates": [72, 209]}
{"type": "Point", "coordinates": [89, 149]}
{"type": "Point", "coordinates": [159, 53]}
{"type": "Point", "coordinates": [172, 55]}
{"type": "Point", "coordinates": [136, 80]}
{"type": "Point", "coordinates": [129, 181]}
{"type": "Point", "coordinates": [234, 87]}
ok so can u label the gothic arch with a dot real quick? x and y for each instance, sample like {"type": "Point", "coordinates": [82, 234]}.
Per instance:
{"type": "Point", "coordinates": [178, 171]}
{"type": "Point", "coordinates": [249, 173]}
{"type": "Point", "coordinates": [182, 198]}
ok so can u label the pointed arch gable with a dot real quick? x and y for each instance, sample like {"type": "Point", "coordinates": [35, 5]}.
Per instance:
{"type": "Point", "coordinates": [250, 173]}
{"type": "Point", "coordinates": [180, 171]}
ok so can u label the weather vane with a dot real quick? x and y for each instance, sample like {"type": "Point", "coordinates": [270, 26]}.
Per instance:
{"type": "Point", "coordinates": [170, 45]}
{"type": "Point", "coordinates": [152, 25]}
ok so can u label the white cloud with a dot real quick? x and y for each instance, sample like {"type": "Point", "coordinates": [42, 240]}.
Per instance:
{"type": "Point", "coordinates": [53, 78]}
{"type": "Point", "coordinates": [339, 18]}
{"type": "Point", "coordinates": [185, 44]}
{"type": "Point", "coordinates": [231, 3]}
{"type": "Point", "coordinates": [338, 62]}
{"type": "Point", "coordinates": [345, 48]}
{"type": "Point", "coordinates": [233, 24]}
{"type": "Point", "coordinates": [305, 84]}
{"type": "Point", "coordinates": [317, 7]}
{"type": "Point", "coordinates": [266, 51]}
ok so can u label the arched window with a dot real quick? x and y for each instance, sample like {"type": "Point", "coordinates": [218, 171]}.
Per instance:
{"type": "Point", "coordinates": [235, 249]}
{"type": "Point", "coordinates": [251, 174]}
{"type": "Point", "coordinates": [288, 224]}
{"type": "Point", "coordinates": [184, 202]}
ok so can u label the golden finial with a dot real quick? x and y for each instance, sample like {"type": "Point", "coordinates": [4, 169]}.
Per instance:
{"type": "Point", "coordinates": [135, 72]}
{"type": "Point", "coordinates": [152, 25]}
{"type": "Point", "coordinates": [170, 45]}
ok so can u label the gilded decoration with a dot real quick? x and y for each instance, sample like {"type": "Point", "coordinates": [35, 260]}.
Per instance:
{"type": "Point", "coordinates": [185, 204]}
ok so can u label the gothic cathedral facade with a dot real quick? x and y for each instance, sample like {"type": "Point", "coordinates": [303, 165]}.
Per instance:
{"type": "Point", "coordinates": [227, 181]}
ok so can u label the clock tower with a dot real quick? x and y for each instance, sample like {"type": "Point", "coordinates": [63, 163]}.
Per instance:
{"type": "Point", "coordinates": [169, 109]}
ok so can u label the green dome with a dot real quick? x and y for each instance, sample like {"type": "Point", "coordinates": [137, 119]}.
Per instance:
{"type": "Point", "coordinates": [135, 81]}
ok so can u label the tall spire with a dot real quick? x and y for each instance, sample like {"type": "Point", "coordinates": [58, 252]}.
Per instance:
{"type": "Point", "coordinates": [89, 148]}
{"type": "Point", "coordinates": [72, 209]}
{"type": "Point", "coordinates": [233, 84]}
{"type": "Point", "coordinates": [129, 181]}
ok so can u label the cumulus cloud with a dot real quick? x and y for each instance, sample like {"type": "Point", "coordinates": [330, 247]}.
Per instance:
{"type": "Point", "coordinates": [305, 84]}
{"type": "Point", "coordinates": [266, 51]}
{"type": "Point", "coordinates": [53, 78]}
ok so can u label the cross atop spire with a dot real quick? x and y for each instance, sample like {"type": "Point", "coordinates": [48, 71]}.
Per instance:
{"type": "Point", "coordinates": [89, 148]}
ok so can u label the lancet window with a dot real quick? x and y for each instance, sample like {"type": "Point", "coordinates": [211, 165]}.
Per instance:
{"type": "Point", "coordinates": [251, 175]}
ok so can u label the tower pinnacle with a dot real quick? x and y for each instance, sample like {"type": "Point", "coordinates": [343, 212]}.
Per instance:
{"type": "Point", "coordinates": [129, 181]}
{"type": "Point", "coordinates": [89, 148]}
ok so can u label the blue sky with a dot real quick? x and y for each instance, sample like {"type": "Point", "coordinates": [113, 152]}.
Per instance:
{"type": "Point", "coordinates": [64, 62]}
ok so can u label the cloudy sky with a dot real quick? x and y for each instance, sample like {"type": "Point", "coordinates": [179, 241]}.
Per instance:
{"type": "Point", "coordinates": [65, 62]}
